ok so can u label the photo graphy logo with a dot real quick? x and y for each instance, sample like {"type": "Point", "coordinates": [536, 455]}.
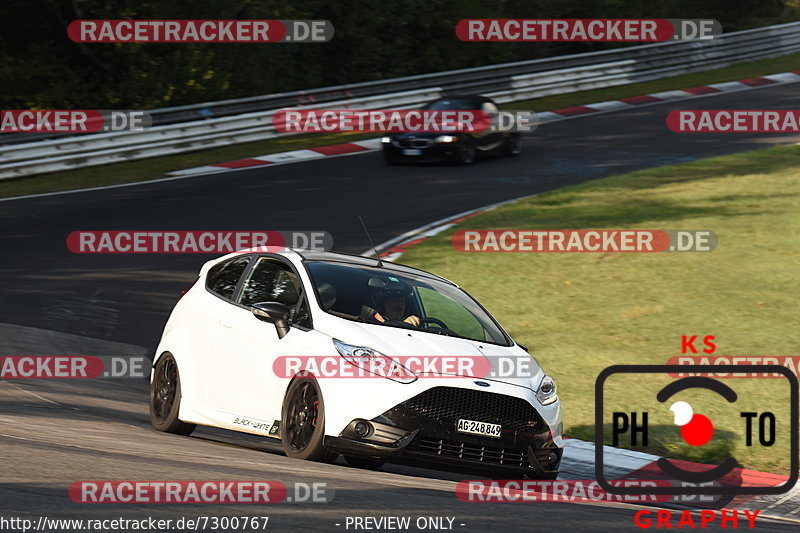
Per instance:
{"type": "Point", "coordinates": [695, 426]}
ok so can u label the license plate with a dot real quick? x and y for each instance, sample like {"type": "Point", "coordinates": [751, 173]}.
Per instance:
{"type": "Point", "coordinates": [412, 151]}
{"type": "Point", "coordinates": [478, 428]}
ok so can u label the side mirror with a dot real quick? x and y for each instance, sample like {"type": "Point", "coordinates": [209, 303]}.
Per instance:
{"type": "Point", "coordinates": [274, 313]}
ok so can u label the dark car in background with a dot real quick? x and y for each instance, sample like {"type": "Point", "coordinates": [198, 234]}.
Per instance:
{"type": "Point", "coordinates": [458, 147]}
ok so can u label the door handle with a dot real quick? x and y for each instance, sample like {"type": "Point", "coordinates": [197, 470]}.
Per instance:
{"type": "Point", "coordinates": [225, 322]}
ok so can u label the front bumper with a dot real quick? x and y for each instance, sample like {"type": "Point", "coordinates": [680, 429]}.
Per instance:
{"type": "Point", "coordinates": [422, 431]}
{"type": "Point", "coordinates": [433, 152]}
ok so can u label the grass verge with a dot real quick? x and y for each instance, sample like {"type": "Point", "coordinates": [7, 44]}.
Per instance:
{"type": "Point", "coordinates": [154, 168]}
{"type": "Point", "coordinates": [579, 313]}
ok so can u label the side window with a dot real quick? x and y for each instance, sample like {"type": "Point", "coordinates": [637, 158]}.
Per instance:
{"type": "Point", "coordinates": [270, 281]}
{"type": "Point", "coordinates": [302, 316]}
{"type": "Point", "coordinates": [223, 278]}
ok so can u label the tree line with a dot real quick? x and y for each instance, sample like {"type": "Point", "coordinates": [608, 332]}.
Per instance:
{"type": "Point", "coordinates": [41, 68]}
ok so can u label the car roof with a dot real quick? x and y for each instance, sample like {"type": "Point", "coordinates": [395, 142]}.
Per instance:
{"type": "Point", "coordinates": [359, 260]}
{"type": "Point", "coordinates": [328, 257]}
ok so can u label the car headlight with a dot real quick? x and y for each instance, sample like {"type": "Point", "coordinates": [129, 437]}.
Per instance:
{"type": "Point", "coordinates": [546, 393]}
{"type": "Point", "coordinates": [374, 362]}
{"type": "Point", "coordinates": [445, 139]}
{"type": "Point", "coordinates": [386, 139]}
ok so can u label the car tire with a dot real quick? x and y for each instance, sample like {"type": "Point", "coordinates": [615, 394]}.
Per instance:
{"type": "Point", "coordinates": [465, 152]}
{"type": "Point", "coordinates": [302, 428]}
{"type": "Point", "coordinates": [360, 462]}
{"type": "Point", "coordinates": [165, 398]}
{"type": "Point", "coordinates": [513, 146]}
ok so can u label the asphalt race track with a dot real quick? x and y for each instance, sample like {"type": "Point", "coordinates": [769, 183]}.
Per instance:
{"type": "Point", "coordinates": [54, 432]}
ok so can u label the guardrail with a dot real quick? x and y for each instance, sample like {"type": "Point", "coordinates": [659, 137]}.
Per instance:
{"type": "Point", "coordinates": [202, 126]}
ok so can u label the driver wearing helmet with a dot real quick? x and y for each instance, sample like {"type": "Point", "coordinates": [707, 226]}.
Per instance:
{"type": "Point", "coordinates": [394, 309]}
{"type": "Point", "coordinates": [391, 306]}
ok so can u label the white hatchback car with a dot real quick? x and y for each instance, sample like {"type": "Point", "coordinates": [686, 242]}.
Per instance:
{"type": "Point", "coordinates": [216, 366]}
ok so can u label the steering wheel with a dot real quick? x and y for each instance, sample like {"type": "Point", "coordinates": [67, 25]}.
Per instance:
{"type": "Point", "coordinates": [422, 325]}
{"type": "Point", "coordinates": [441, 330]}
{"type": "Point", "coordinates": [430, 320]}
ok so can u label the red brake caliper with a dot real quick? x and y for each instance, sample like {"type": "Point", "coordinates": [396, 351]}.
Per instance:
{"type": "Point", "coordinates": [316, 410]}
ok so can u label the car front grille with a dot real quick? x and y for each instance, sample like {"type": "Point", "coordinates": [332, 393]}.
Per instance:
{"type": "Point", "coordinates": [448, 404]}
{"type": "Point", "coordinates": [471, 452]}
{"type": "Point", "coordinates": [414, 143]}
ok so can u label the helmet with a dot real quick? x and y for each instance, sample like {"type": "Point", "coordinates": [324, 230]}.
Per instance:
{"type": "Point", "coordinates": [387, 287]}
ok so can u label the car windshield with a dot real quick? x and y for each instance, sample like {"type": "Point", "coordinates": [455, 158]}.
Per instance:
{"type": "Point", "coordinates": [455, 103]}
{"type": "Point", "coordinates": [387, 297]}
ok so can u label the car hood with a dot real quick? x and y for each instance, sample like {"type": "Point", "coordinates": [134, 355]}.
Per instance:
{"type": "Point", "coordinates": [393, 341]}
